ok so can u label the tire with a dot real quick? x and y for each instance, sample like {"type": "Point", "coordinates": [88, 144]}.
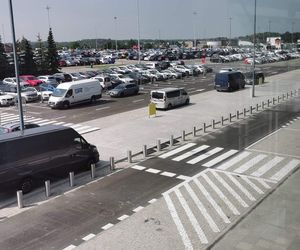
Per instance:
{"type": "Point", "coordinates": [93, 99]}
{"type": "Point", "coordinates": [169, 106]}
{"type": "Point", "coordinates": [187, 102]}
{"type": "Point", "coordinates": [122, 94]}
{"type": "Point", "coordinates": [173, 77]}
{"type": "Point", "coordinates": [66, 105]}
{"type": "Point", "coordinates": [26, 185]}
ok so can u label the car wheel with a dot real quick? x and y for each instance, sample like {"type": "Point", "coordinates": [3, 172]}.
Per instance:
{"type": "Point", "coordinates": [122, 94]}
{"type": "Point", "coordinates": [26, 185]}
{"type": "Point", "coordinates": [136, 92]}
{"type": "Point", "coordinates": [93, 99]}
{"type": "Point", "coordinates": [169, 106]}
{"type": "Point", "coordinates": [66, 105]}
{"type": "Point", "coordinates": [187, 102]}
{"type": "Point", "coordinates": [173, 77]}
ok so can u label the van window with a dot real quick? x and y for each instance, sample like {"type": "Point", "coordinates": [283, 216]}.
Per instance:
{"type": "Point", "coordinates": [157, 95]}
{"type": "Point", "coordinates": [78, 91]}
{"type": "Point", "coordinates": [69, 93]}
{"type": "Point", "coordinates": [173, 94]}
{"type": "Point", "coordinates": [183, 92]}
{"type": "Point", "coordinates": [80, 143]}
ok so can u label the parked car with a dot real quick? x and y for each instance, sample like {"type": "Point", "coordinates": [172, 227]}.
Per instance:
{"type": "Point", "coordinates": [229, 81]}
{"type": "Point", "coordinates": [124, 90]}
{"type": "Point", "coordinates": [28, 94]}
{"type": "Point", "coordinates": [15, 126]}
{"type": "Point", "coordinates": [62, 77]}
{"type": "Point", "coordinates": [104, 81]}
{"type": "Point", "coordinates": [48, 79]}
{"type": "Point", "coordinates": [13, 81]}
{"type": "Point", "coordinates": [31, 80]}
{"type": "Point", "coordinates": [6, 99]}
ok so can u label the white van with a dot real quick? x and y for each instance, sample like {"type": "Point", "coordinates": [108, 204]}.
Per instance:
{"type": "Point", "coordinates": [70, 93]}
{"type": "Point", "coordinates": [168, 98]}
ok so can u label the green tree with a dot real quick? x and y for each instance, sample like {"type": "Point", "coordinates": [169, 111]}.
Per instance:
{"type": "Point", "coordinates": [28, 65]}
{"type": "Point", "coordinates": [75, 45]}
{"type": "Point", "coordinates": [52, 56]}
{"type": "Point", "coordinates": [40, 57]}
{"type": "Point", "coordinates": [5, 69]}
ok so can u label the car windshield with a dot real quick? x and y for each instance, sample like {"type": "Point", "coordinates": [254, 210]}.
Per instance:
{"type": "Point", "coordinates": [28, 89]}
{"type": "Point", "coordinates": [59, 92]}
{"type": "Point", "coordinates": [120, 87]}
{"type": "Point", "coordinates": [157, 95]}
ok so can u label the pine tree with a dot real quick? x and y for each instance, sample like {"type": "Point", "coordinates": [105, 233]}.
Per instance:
{"type": "Point", "coordinates": [52, 56]}
{"type": "Point", "coordinates": [5, 69]}
{"type": "Point", "coordinates": [40, 58]}
{"type": "Point", "coordinates": [28, 65]}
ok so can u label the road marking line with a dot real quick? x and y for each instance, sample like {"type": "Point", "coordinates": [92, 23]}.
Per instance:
{"type": "Point", "coordinates": [88, 237]}
{"type": "Point", "coordinates": [70, 247]}
{"type": "Point", "coordinates": [152, 201]}
{"type": "Point", "coordinates": [68, 124]}
{"type": "Point", "coordinates": [107, 226]}
{"type": "Point", "coordinates": [177, 150]}
{"type": "Point", "coordinates": [59, 123]}
{"type": "Point", "coordinates": [204, 156]}
{"type": "Point", "coordinates": [137, 167]}
{"type": "Point", "coordinates": [168, 174]}
{"type": "Point", "coordinates": [75, 126]}
{"type": "Point", "coordinates": [285, 170]}
{"type": "Point", "coordinates": [262, 182]}
{"type": "Point", "coordinates": [262, 139]}
{"type": "Point", "coordinates": [139, 100]}
{"type": "Point", "coordinates": [33, 119]}
{"type": "Point", "coordinates": [81, 128]}
{"type": "Point", "coordinates": [241, 187]}
{"type": "Point", "coordinates": [199, 90]}
{"type": "Point", "coordinates": [251, 184]}
{"type": "Point", "coordinates": [191, 217]}
{"type": "Point", "coordinates": [265, 168]}
{"type": "Point", "coordinates": [230, 190]}
{"type": "Point", "coordinates": [153, 170]}
{"type": "Point", "coordinates": [221, 195]}
{"type": "Point", "coordinates": [46, 123]}
{"type": "Point", "coordinates": [103, 108]}
{"type": "Point", "coordinates": [183, 177]}
{"type": "Point", "coordinates": [123, 217]}
{"type": "Point", "coordinates": [137, 209]}
{"type": "Point", "coordinates": [212, 201]}
{"type": "Point", "coordinates": [184, 237]}
{"type": "Point", "coordinates": [202, 209]}
{"type": "Point", "coordinates": [190, 153]}
{"type": "Point", "coordinates": [220, 158]}
{"type": "Point", "coordinates": [250, 163]}
{"type": "Point", "coordinates": [87, 130]}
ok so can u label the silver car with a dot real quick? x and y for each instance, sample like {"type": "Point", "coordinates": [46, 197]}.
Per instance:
{"type": "Point", "coordinates": [125, 89]}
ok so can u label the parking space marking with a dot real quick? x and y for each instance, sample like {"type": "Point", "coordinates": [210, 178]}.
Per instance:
{"type": "Point", "coordinates": [152, 201]}
{"type": "Point", "coordinates": [137, 209]}
{"type": "Point", "coordinates": [88, 237]}
{"type": "Point", "coordinates": [70, 247]}
{"type": "Point", "coordinates": [153, 170]}
{"type": "Point", "coordinates": [183, 177]}
{"type": "Point", "coordinates": [168, 174]}
{"type": "Point", "coordinates": [137, 167]}
{"type": "Point", "coordinates": [123, 217]}
{"type": "Point", "coordinates": [285, 170]}
{"type": "Point", "coordinates": [107, 226]}
{"type": "Point", "coordinates": [107, 107]}
{"type": "Point", "coordinates": [139, 100]}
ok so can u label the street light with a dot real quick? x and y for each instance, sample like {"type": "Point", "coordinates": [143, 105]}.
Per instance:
{"type": "Point", "coordinates": [48, 10]}
{"type": "Point", "coordinates": [293, 23]}
{"type": "Point", "coordinates": [115, 18]}
{"type": "Point", "coordinates": [230, 18]}
{"type": "Point", "coordinates": [254, 45]}
{"type": "Point", "coordinates": [195, 42]}
{"type": "Point", "coordinates": [138, 27]}
{"type": "Point", "coordinates": [20, 108]}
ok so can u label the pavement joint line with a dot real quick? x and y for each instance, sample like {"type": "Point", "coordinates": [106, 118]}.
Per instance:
{"type": "Point", "coordinates": [70, 247]}
{"type": "Point", "coordinates": [123, 217]}
{"type": "Point", "coordinates": [137, 209]}
{"type": "Point", "coordinates": [251, 145]}
{"type": "Point", "coordinates": [88, 237]}
{"type": "Point", "coordinates": [152, 170]}
{"type": "Point", "coordinates": [273, 153]}
{"type": "Point", "coordinates": [107, 226]}
{"type": "Point", "coordinates": [152, 201]}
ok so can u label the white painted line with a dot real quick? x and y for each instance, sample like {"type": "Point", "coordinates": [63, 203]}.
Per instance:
{"type": "Point", "coordinates": [250, 164]}
{"type": "Point", "coordinates": [191, 89]}
{"type": "Point", "coordinates": [107, 226]}
{"type": "Point", "coordinates": [33, 119]}
{"type": "Point", "coordinates": [191, 217]}
{"type": "Point", "coordinates": [177, 150]}
{"type": "Point", "coordinates": [107, 107]}
{"type": "Point", "coordinates": [59, 123]}
{"type": "Point", "coordinates": [183, 177]}
{"type": "Point", "coordinates": [221, 195]}
{"type": "Point", "coordinates": [220, 158]}
{"type": "Point", "coordinates": [262, 182]}
{"type": "Point", "coordinates": [233, 161]}
{"type": "Point", "coordinates": [184, 236]}
{"type": "Point", "coordinates": [137, 167]}
{"type": "Point", "coordinates": [68, 124]}
{"type": "Point", "coordinates": [152, 201]}
{"type": "Point", "coordinates": [168, 174]}
{"type": "Point", "coordinates": [212, 201]}
{"type": "Point", "coordinates": [262, 139]}
{"type": "Point", "coordinates": [285, 170]}
{"type": "Point", "coordinates": [202, 209]}
{"type": "Point", "coordinates": [9, 119]}
{"type": "Point", "coordinates": [60, 117]}
{"type": "Point", "coordinates": [251, 184]}
{"type": "Point", "coordinates": [199, 90]}
{"type": "Point", "coordinates": [204, 156]}
{"type": "Point", "coordinates": [137, 209]}
{"type": "Point", "coordinates": [190, 153]}
{"type": "Point", "coordinates": [139, 100]}
{"type": "Point", "coordinates": [75, 126]}
{"type": "Point", "coordinates": [8, 115]}
{"type": "Point", "coordinates": [266, 167]}
{"type": "Point", "coordinates": [46, 123]}
{"type": "Point", "coordinates": [87, 130]}
{"type": "Point", "coordinates": [70, 247]}
{"type": "Point", "coordinates": [88, 237]}
{"type": "Point", "coordinates": [241, 187]}
{"type": "Point", "coordinates": [153, 170]}
{"type": "Point", "coordinates": [230, 189]}
{"type": "Point", "coordinates": [123, 217]}
{"type": "Point", "coordinates": [81, 128]}
{"type": "Point", "coordinates": [283, 126]}
{"type": "Point", "coordinates": [35, 113]}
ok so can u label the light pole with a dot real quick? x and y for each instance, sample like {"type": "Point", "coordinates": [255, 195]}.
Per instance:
{"type": "Point", "coordinates": [16, 66]}
{"type": "Point", "coordinates": [115, 18]}
{"type": "Point", "coordinates": [230, 18]}
{"type": "Point", "coordinates": [138, 27]}
{"type": "Point", "coordinates": [293, 23]}
{"type": "Point", "coordinates": [254, 45]}
{"type": "Point", "coordinates": [270, 27]}
{"type": "Point", "coordinates": [48, 10]}
{"type": "Point", "coordinates": [194, 32]}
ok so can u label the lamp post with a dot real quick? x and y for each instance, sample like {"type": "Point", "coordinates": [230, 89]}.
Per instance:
{"type": "Point", "coordinates": [115, 18]}
{"type": "Point", "coordinates": [138, 27]}
{"type": "Point", "coordinates": [194, 32]}
{"type": "Point", "coordinates": [230, 18]}
{"type": "Point", "coordinates": [254, 45]}
{"type": "Point", "coordinates": [20, 108]}
{"type": "Point", "coordinates": [48, 10]}
{"type": "Point", "coordinates": [293, 23]}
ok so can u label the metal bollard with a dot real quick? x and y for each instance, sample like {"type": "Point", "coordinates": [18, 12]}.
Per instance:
{"type": "Point", "coordinates": [251, 110]}
{"type": "Point", "coordinates": [183, 135]}
{"type": "Point", "coordinates": [287, 95]}
{"type": "Point", "coordinates": [112, 163]}
{"type": "Point", "coordinates": [171, 141]}
{"type": "Point", "coordinates": [20, 199]}
{"type": "Point", "coordinates": [129, 156]}
{"type": "Point", "coordinates": [237, 115]}
{"type": "Point", "coordinates": [213, 123]}
{"type": "Point", "coordinates": [145, 151]}
{"type": "Point", "coordinates": [291, 93]}
{"type": "Point", "coordinates": [257, 107]}
{"type": "Point", "coordinates": [93, 171]}
{"type": "Point", "coordinates": [222, 120]}
{"type": "Point", "coordinates": [204, 127]}
{"type": "Point", "coordinates": [47, 188]}
{"type": "Point", "coordinates": [158, 146]}
{"type": "Point", "coordinates": [274, 100]}
{"type": "Point", "coordinates": [263, 105]}
{"type": "Point", "coordinates": [194, 131]}
{"type": "Point", "coordinates": [278, 99]}
{"type": "Point", "coordinates": [283, 97]}
{"type": "Point", "coordinates": [269, 103]}
{"type": "Point", "coordinates": [71, 176]}
{"type": "Point", "coordinates": [245, 112]}
{"type": "Point", "coordinates": [229, 117]}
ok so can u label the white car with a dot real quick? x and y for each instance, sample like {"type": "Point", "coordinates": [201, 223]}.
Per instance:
{"type": "Point", "coordinates": [48, 79]}
{"type": "Point", "coordinates": [13, 81]}
{"type": "Point", "coordinates": [6, 99]}
{"type": "Point", "coordinates": [105, 81]}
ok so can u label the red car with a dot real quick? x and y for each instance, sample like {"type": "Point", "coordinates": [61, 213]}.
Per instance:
{"type": "Point", "coordinates": [31, 80]}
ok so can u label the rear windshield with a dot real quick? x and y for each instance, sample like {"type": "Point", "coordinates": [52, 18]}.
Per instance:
{"type": "Point", "coordinates": [157, 95]}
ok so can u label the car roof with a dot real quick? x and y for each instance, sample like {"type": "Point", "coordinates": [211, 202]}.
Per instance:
{"type": "Point", "coordinates": [166, 89]}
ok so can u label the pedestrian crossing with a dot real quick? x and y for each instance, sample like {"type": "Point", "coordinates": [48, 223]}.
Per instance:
{"type": "Point", "coordinates": [205, 205]}
{"type": "Point", "coordinates": [267, 166]}
{"type": "Point", "coordinates": [6, 118]}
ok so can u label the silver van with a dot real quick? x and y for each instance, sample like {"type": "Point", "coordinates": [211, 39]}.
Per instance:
{"type": "Point", "coordinates": [168, 98]}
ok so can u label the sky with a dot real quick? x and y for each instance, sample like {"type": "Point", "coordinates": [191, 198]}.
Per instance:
{"type": "Point", "coordinates": [158, 19]}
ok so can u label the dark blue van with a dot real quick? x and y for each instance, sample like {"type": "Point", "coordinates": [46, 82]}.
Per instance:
{"type": "Point", "coordinates": [229, 81]}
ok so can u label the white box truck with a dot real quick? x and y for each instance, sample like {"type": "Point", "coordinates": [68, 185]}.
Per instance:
{"type": "Point", "coordinates": [71, 93]}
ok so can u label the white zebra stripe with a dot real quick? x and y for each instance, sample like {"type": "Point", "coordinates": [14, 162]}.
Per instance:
{"type": "Point", "coordinates": [285, 170]}
{"type": "Point", "coordinates": [251, 184]}
{"type": "Point", "coordinates": [190, 153]}
{"type": "Point", "coordinates": [204, 156]}
{"type": "Point", "coordinates": [220, 158]}
{"type": "Point", "coordinates": [250, 164]}
{"type": "Point", "coordinates": [177, 150]}
{"type": "Point", "coordinates": [233, 161]}
{"type": "Point", "coordinates": [266, 167]}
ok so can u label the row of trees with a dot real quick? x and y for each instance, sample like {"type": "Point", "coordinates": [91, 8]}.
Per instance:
{"type": "Point", "coordinates": [42, 60]}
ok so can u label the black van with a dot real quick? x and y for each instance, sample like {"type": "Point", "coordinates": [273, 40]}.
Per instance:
{"type": "Point", "coordinates": [229, 81]}
{"type": "Point", "coordinates": [42, 153]}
